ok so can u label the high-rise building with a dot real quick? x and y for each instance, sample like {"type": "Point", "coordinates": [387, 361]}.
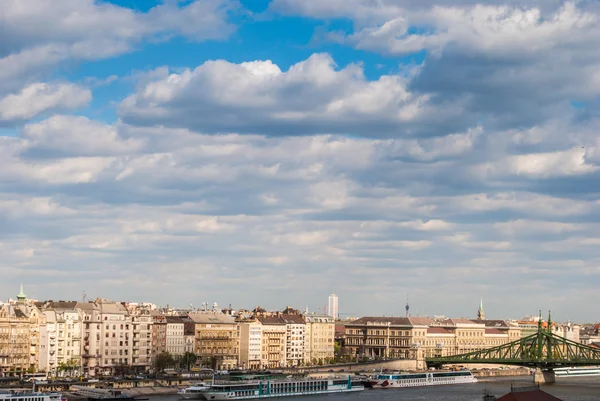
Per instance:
{"type": "Point", "coordinates": [333, 306]}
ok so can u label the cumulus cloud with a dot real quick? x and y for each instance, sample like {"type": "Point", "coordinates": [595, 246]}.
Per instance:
{"type": "Point", "coordinates": [257, 97]}
{"type": "Point", "coordinates": [40, 34]}
{"type": "Point", "coordinates": [42, 97]}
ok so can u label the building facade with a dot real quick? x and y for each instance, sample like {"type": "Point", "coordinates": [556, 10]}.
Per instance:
{"type": "Point", "coordinates": [217, 339]}
{"type": "Point", "coordinates": [320, 339]}
{"type": "Point", "coordinates": [274, 344]}
{"type": "Point", "coordinates": [19, 336]}
{"type": "Point", "coordinates": [250, 343]}
{"type": "Point", "coordinates": [333, 308]}
{"type": "Point", "coordinates": [175, 339]}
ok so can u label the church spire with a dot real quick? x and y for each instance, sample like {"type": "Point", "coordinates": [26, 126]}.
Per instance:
{"type": "Point", "coordinates": [480, 312]}
{"type": "Point", "coordinates": [21, 297]}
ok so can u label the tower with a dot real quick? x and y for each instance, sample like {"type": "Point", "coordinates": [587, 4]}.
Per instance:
{"type": "Point", "coordinates": [480, 312]}
{"type": "Point", "coordinates": [407, 307]}
{"type": "Point", "coordinates": [333, 310]}
{"type": "Point", "coordinates": [21, 297]}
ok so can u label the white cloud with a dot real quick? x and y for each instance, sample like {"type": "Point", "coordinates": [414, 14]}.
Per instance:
{"type": "Point", "coordinates": [39, 34]}
{"type": "Point", "coordinates": [256, 97]}
{"type": "Point", "coordinates": [540, 165]}
{"type": "Point", "coordinates": [42, 97]}
{"type": "Point", "coordinates": [78, 135]}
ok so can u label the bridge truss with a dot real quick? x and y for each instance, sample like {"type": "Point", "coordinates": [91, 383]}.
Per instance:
{"type": "Point", "coordinates": [543, 350]}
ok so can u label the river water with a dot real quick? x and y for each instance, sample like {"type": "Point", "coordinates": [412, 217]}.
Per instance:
{"type": "Point", "coordinates": [567, 389]}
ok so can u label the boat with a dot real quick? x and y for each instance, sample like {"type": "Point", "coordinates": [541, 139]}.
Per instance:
{"type": "Point", "coordinates": [577, 372]}
{"type": "Point", "coordinates": [397, 380]}
{"type": "Point", "coordinates": [193, 392]}
{"type": "Point", "coordinates": [281, 388]}
{"type": "Point", "coordinates": [92, 393]}
{"type": "Point", "coordinates": [24, 395]}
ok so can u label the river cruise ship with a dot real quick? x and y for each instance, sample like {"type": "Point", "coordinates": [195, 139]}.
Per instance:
{"type": "Point", "coordinates": [577, 372]}
{"type": "Point", "coordinates": [397, 380]}
{"type": "Point", "coordinates": [281, 388]}
{"type": "Point", "coordinates": [23, 395]}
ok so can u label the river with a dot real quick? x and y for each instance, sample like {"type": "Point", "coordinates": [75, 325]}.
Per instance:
{"type": "Point", "coordinates": [567, 389]}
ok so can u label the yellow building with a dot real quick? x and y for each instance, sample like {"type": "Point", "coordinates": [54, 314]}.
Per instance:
{"type": "Point", "coordinates": [457, 336]}
{"type": "Point", "coordinates": [319, 339]}
{"type": "Point", "coordinates": [273, 342]}
{"type": "Point", "coordinates": [217, 339]}
{"type": "Point", "coordinates": [19, 337]}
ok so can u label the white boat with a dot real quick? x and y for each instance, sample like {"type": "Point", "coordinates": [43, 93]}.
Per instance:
{"type": "Point", "coordinates": [281, 388]}
{"type": "Point", "coordinates": [92, 393]}
{"type": "Point", "coordinates": [397, 380]}
{"type": "Point", "coordinates": [577, 372]}
{"type": "Point", "coordinates": [22, 395]}
{"type": "Point", "coordinates": [193, 392]}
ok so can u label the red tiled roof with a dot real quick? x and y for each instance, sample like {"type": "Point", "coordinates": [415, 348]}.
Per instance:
{"type": "Point", "coordinates": [438, 330]}
{"type": "Point", "coordinates": [533, 395]}
{"type": "Point", "coordinates": [494, 331]}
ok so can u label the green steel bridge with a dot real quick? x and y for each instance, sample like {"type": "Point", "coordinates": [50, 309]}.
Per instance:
{"type": "Point", "coordinates": [542, 350]}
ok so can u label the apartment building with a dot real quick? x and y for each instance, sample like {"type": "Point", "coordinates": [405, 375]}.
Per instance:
{"type": "Point", "coordinates": [250, 343]}
{"type": "Point", "coordinates": [175, 339]}
{"type": "Point", "coordinates": [320, 338]}
{"type": "Point", "coordinates": [159, 333]}
{"type": "Point", "coordinates": [217, 339]}
{"type": "Point", "coordinates": [107, 337]}
{"type": "Point", "coordinates": [295, 338]}
{"type": "Point", "coordinates": [141, 320]}
{"type": "Point", "coordinates": [274, 344]}
{"type": "Point", "coordinates": [19, 336]}
{"type": "Point", "coordinates": [61, 339]}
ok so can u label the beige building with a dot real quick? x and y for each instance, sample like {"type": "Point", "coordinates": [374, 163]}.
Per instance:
{"type": "Point", "coordinates": [217, 339]}
{"type": "Point", "coordinates": [141, 320]}
{"type": "Point", "coordinates": [19, 336]}
{"type": "Point", "coordinates": [175, 338]}
{"type": "Point", "coordinates": [107, 337]}
{"type": "Point", "coordinates": [320, 338]}
{"type": "Point", "coordinates": [295, 338]}
{"type": "Point", "coordinates": [273, 342]}
{"type": "Point", "coordinates": [250, 343]}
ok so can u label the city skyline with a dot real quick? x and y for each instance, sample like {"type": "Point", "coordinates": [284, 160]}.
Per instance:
{"type": "Point", "coordinates": [325, 310]}
{"type": "Point", "coordinates": [260, 152]}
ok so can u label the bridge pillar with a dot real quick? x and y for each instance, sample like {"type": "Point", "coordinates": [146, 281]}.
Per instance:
{"type": "Point", "coordinates": [544, 376]}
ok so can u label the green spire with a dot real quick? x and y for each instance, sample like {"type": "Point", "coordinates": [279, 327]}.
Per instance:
{"type": "Point", "coordinates": [549, 322]}
{"type": "Point", "coordinates": [21, 296]}
{"type": "Point", "coordinates": [540, 322]}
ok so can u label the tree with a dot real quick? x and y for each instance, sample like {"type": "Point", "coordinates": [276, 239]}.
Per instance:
{"type": "Point", "coordinates": [188, 360]}
{"type": "Point", "coordinates": [163, 361]}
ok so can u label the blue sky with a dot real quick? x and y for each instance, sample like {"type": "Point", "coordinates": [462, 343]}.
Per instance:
{"type": "Point", "coordinates": [272, 152]}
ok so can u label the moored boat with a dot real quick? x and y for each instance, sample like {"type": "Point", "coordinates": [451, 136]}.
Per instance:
{"type": "Point", "coordinates": [100, 394]}
{"type": "Point", "coordinates": [193, 392]}
{"type": "Point", "coordinates": [23, 395]}
{"type": "Point", "coordinates": [398, 380]}
{"type": "Point", "coordinates": [281, 388]}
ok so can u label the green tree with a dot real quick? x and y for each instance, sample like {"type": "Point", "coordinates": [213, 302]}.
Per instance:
{"type": "Point", "coordinates": [188, 360]}
{"type": "Point", "coordinates": [163, 361]}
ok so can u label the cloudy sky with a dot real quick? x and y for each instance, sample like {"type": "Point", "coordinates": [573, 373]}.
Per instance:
{"type": "Point", "coordinates": [271, 152]}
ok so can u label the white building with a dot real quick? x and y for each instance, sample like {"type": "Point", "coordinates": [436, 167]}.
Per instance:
{"type": "Point", "coordinates": [60, 339]}
{"type": "Point", "coordinates": [175, 336]}
{"type": "Point", "coordinates": [333, 310]}
{"type": "Point", "coordinates": [295, 339]}
{"type": "Point", "coordinates": [250, 344]}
